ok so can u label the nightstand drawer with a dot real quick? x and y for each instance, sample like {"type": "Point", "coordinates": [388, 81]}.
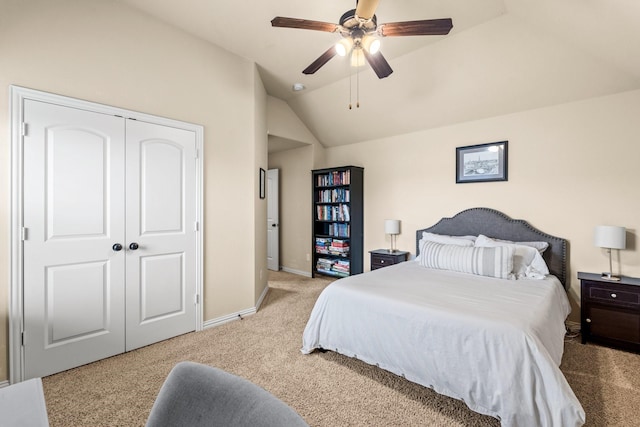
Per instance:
{"type": "Point", "coordinates": [614, 296]}
{"type": "Point", "coordinates": [382, 260]}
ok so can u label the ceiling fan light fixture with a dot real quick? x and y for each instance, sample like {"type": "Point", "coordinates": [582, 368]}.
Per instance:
{"type": "Point", "coordinates": [371, 44]}
{"type": "Point", "coordinates": [357, 58]}
{"type": "Point", "coordinates": [343, 47]}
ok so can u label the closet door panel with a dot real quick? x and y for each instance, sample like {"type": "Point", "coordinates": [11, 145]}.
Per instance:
{"type": "Point", "coordinates": [161, 215]}
{"type": "Point", "coordinates": [73, 214]}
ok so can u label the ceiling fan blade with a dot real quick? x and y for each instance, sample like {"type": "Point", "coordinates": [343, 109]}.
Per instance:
{"type": "Point", "coordinates": [303, 24]}
{"type": "Point", "coordinates": [322, 59]}
{"type": "Point", "coordinates": [378, 63]}
{"type": "Point", "coordinates": [365, 9]}
{"type": "Point", "coordinates": [427, 27]}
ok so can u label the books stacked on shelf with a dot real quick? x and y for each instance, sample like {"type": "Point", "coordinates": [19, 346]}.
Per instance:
{"type": "Point", "coordinates": [322, 245]}
{"type": "Point", "coordinates": [339, 247]}
{"type": "Point", "coordinates": [341, 267]}
{"type": "Point", "coordinates": [337, 195]}
{"type": "Point", "coordinates": [334, 178]}
{"type": "Point", "coordinates": [339, 230]}
{"type": "Point", "coordinates": [333, 267]}
{"type": "Point", "coordinates": [323, 265]}
{"type": "Point", "coordinates": [333, 213]}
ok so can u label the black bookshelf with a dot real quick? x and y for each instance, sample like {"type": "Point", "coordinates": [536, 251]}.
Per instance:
{"type": "Point", "coordinates": [337, 215]}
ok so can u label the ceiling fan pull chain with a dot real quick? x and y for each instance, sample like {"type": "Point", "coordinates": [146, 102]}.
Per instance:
{"type": "Point", "coordinates": [358, 89]}
{"type": "Point", "coordinates": [350, 79]}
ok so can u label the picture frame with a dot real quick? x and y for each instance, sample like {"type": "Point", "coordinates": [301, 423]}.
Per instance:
{"type": "Point", "coordinates": [262, 183]}
{"type": "Point", "coordinates": [482, 162]}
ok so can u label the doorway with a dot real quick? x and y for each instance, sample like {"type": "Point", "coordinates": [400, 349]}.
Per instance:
{"type": "Point", "coordinates": [273, 219]}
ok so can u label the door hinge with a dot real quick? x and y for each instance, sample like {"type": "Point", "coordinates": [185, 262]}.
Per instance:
{"type": "Point", "coordinates": [23, 233]}
{"type": "Point", "coordinates": [25, 129]}
{"type": "Point", "coordinates": [196, 226]}
{"type": "Point", "coordinates": [196, 299]}
{"type": "Point", "coordinates": [22, 338]}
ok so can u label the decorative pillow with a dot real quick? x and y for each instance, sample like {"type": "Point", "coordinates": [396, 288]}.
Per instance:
{"type": "Point", "coordinates": [483, 261]}
{"type": "Point", "coordinates": [527, 261]}
{"type": "Point", "coordinates": [448, 240]}
{"type": "Point", "coordinates": [540, 246]}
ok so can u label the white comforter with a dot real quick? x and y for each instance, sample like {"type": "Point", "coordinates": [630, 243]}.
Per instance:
{"type": "Point", "coordinates": [496, 344]}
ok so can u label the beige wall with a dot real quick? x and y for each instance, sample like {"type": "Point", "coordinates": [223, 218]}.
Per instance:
{"type": "Point", "coordinates": [105, 52]}
{"type": "Point", "coordinates": [571, 167]}
{"type": "Point", "coordinates": [283, 122]}
{"type": "Point", "coordinates": [260, 216]}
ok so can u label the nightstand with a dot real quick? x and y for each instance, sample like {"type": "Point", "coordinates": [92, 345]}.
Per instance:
{"type": "Point", "coordinates": [383, 258]}
{"type": "Point", "coordinates": [610, 311]}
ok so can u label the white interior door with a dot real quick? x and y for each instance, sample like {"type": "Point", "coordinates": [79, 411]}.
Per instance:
{"type": "Point", "coordinates": [73, 215]}
{"type": "Point", "coordinates": [110, 235]}
{"type": "Point", "coordinates": [273, 220]}
{"type": "Point", "coordinates": [161, 232]}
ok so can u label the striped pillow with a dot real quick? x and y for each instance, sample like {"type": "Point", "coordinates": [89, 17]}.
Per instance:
{"type": "Point", "coordinates": [482, 261]}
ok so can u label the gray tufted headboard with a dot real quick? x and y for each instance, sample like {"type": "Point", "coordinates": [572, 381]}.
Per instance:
{"type": "Point", "coordinates": [493, 223]}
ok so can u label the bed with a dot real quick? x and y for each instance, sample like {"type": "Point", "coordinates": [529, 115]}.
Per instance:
{"type": "Point", "coordinates": [494, 343]}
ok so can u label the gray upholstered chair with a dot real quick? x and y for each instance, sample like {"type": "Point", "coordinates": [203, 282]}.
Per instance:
{"type": "Point", "coordinates": [198, 395]}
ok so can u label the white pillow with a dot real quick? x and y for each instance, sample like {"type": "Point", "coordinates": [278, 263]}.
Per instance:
{"type": "Point", "coordinates": [540, 246]}
{"type": "Point", "coordinates": [448, 240]}
{"type": "Point", "coordinates": [483, 261]}
{"type": "Point", "coordinates": [527, 261]}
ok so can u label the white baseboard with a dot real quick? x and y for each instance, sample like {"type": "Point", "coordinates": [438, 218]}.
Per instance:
{"type": "Point", "coordinates": [298, 272]}
{"type": "Point", "coordinates": [249, 311]}
{"type": "Point", "coordinates": [4, 384]}
{"type": "Point", "coordinates": [228, 318]}
{"type": "Point", "coordinates": [262, 296]}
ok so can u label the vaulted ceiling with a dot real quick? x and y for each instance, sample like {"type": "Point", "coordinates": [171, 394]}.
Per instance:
{"type": "Point", "coordinates": [502, 56]}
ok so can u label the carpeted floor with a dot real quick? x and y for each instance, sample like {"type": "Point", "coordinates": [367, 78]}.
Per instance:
{"type": "Point", "coordinates": [327, 389]}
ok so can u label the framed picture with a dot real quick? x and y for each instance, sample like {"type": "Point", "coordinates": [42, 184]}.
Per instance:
{"type": "Point", "coordinates": [482, 163]}
{"type": "Point", "coordinates": [262, 183]}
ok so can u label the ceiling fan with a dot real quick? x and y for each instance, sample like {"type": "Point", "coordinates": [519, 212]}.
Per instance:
{"type": "Point", "coordinates": [360, 31]}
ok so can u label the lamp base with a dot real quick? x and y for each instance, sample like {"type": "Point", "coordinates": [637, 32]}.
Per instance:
{"type": "Point", "coordinates": [392, 250]}
{"type": "Point", "coordinates": [609, 276]}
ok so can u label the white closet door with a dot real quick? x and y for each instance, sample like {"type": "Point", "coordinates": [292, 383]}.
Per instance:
{"type": "Point", "coordinates": [73, 215]}
{"type": "Point", "coordinates": [161, 223]}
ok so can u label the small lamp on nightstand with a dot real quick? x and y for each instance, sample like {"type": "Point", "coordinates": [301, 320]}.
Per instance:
{"type": "Point", "coordinates": [392, 227]}
{"type": "Point", "coordinates": [610, 237]}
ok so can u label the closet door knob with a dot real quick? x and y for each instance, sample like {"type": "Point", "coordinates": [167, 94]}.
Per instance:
{"type": "Point", "coordinates": [133, 246]}
{"type": "Point", "coordinates": [117, 247]}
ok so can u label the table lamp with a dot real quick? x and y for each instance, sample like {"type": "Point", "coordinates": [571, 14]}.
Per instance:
{"type": "Point", "coordinates": [392, 227]}
{"type": "Point", "coordinates": [610, 237]}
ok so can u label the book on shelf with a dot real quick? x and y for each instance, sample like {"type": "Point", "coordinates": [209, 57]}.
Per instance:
{"type": "Point", "coordinates": [339, 247]}
{"type": "Point", "coordinates": [322, 245]}
{"type": "Point", "coordinates": [334, 178]}
{"type": "Point", "coordinates": [339, 230]}
{"type": "Point", "coordinates": [324, 264]}
{"type": "Point", "coordinates": [333, 213]}
{"type": "Point", "coordinates": [336, 195]}
{"type": "Point", "coordinates": [341, 266]}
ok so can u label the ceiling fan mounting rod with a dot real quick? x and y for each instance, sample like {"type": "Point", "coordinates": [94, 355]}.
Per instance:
{"type": "Point", "coordinates": [362, 22]}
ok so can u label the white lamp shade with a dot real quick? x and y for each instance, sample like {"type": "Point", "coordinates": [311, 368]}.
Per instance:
{"type": "Point", "coordinates": [610, 236]}
{"type": "Point", "coordinates": [392, 226]}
